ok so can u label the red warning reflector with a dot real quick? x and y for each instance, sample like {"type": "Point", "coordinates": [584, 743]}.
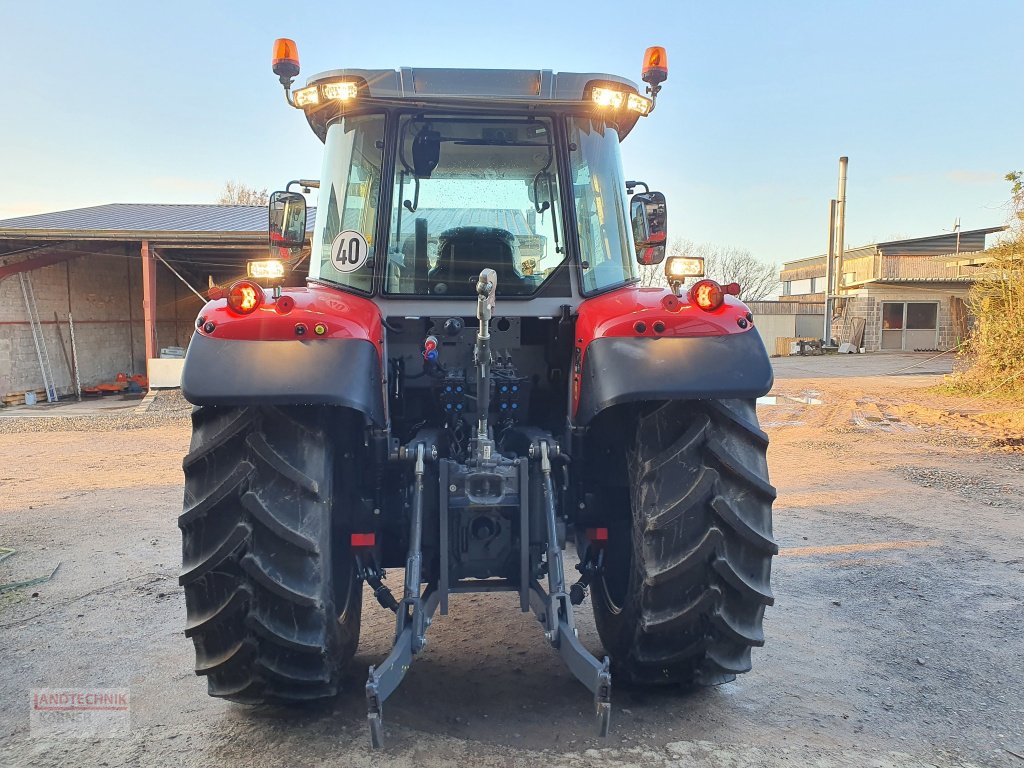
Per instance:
{"type": "Point", "coordinates": [597, 534]}
{"type": "Point", "coordinates": [364, 539]}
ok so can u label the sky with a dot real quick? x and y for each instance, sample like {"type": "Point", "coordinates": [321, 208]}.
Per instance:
{"type": "Point", "coordinates": [162, 102]}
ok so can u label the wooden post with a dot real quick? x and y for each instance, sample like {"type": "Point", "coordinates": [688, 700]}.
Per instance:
{"type": "Point", "coordinates": [149, 299]}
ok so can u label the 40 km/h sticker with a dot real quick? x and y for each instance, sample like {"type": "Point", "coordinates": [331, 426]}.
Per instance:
{"type": "Point", "coordinates": [349, 251]}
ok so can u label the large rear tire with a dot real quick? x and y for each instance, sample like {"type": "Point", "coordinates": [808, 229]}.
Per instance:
{"type": "Point", "coordinates": [271, 593]}
{"type": "Point", "coordinates": [687, 574]}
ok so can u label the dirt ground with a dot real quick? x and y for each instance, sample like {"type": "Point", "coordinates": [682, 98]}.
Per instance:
{"type": "Point", "coordinates": [896, 638]}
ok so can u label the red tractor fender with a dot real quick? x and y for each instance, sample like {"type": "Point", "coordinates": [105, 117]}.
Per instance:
{"type": "Point", "coordinates": [308, 346]}
{"type": "Point", "coordinates": [637, 344]}
{"type": "Point", "coordinates": [343, 316]}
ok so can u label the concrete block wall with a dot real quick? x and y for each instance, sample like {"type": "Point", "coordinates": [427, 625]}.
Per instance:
{"type": "Point", "coordinates": [104, 295]}
{"type": "Point", "coordinates": [867, 303]}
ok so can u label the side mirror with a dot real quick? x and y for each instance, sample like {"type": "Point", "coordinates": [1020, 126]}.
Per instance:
{"type": "Point", "coordinates": [287, 219]}
{"type": "Point", "coordinates": [649, 219]}
{"type": "Point", "coordinates": [426, 153]}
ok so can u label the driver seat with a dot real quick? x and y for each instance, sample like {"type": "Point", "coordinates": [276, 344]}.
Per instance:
{"type": "Point", "coordinates": [464, 251]}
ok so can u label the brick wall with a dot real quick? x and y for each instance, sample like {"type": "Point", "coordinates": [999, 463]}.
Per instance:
{"type": "Point", "coordinates": [105, 299]}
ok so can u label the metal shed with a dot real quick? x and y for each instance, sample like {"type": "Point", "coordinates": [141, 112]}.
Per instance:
{"type": "Point", "coordinates": [128, 273]}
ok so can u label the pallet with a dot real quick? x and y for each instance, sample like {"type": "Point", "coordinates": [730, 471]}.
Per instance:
{"type": "Point", "coordinates": [783, 344]}
{"type": "Point", "coordinates": [18, 398]}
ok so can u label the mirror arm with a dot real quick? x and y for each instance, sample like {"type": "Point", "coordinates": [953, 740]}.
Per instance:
{"type": "Point", "coordinates": [554, 218]}
{"type": "Point", "coordinates": [632, 185]}
{"type": "Point", "coordinates": [288, 92]}
{"type": "Point", "coordinates": [411, 207]}
{"type": "Point", "coordinates": [537, 205]}
{"type": "Point", "coordinates": [401, 191]}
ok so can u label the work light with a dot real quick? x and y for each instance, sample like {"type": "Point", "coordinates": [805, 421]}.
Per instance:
{"type": "Point", "coordinates": [678, 268]}
{"type": "Point", "coordinates": [266, 269]}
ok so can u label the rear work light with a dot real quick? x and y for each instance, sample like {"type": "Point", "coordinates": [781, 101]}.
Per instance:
{"type": "Point", "coordinates": [314, 95]}
{"type": "Point", "coordinates": [244, 297]}
{"type": "Point", "coordinates": [607, 97]}
{"type": "Point", "coordinates": [266, 269]}
{"type": "Point", "coordinates": [613, 98]}
{"type": "Point", "coordinates": [680, 267]}
{"type": "Point", "coordinates": [307, 97]}
{"type": "Point", "coordinates": [339, 91]}
{"type": "Point", "coordinates": [707, 294]}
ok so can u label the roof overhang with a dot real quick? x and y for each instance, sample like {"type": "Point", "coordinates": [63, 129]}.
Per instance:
{"type": "Point", "coordinates": [963, 280]}
{"type": "Point", "coordinates": [220, 239]}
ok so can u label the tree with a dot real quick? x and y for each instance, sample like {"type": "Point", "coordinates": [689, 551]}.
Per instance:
{"type": "Point", "coordinates": [757, 279]}
{"type": "Point", "coordinates": [995, 348]}
{"type": "Point", "coordinates": [237, 193]}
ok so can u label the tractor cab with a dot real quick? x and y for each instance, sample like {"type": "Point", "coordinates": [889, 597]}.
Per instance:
{"type": "Point", "coordinates": [431, 175]}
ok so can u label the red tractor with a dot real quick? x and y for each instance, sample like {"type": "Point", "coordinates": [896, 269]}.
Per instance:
{"type": "Point", "coordinates": [469, 378]}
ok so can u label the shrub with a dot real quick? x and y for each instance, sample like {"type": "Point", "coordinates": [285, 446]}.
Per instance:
{"type": "Point", "coordinates": [995, 348]}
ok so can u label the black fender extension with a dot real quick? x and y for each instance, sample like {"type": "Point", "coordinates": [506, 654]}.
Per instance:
{"type": "Point", "coordinates": [342, 372]}
{"type": "Point", "coordinates": [631, 369]}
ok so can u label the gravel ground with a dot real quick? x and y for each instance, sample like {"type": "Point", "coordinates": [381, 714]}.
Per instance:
{"type": "Point", "coordinates": [896, 638]}
{"type": "Point", "coordinates": [167, 407]}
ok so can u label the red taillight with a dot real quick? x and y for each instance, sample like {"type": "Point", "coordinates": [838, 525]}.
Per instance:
{"type": "Point", "coordinates": [707, 294]}
{"type": "Point", "coordinates": [244, 297]}
{"type": "Point", "coordinates": [360, 540]}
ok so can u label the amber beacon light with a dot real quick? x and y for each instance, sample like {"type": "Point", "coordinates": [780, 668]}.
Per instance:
{"type": "Point", "coordinates": [285, 60]}
{"type": "Point", "coordinates": [655, 71]}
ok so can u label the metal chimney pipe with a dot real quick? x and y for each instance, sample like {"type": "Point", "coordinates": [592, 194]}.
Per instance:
{"type": "Point", "coordinates": [826, 333]}
{"type": "Point", "coordinates": [840, 223]}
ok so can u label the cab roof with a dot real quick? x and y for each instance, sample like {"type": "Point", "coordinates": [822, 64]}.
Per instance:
{"type": "Point", "coordinates": [498, 84]}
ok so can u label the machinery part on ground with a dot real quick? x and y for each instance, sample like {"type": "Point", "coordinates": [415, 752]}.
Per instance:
{"type": "Point", "coordinates": [271, 591]}
{"type": "Point", "coordinates": [686, 581]}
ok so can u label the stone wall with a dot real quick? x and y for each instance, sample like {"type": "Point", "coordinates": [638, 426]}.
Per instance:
{"type": "Point", "coordinates": [103, 293]}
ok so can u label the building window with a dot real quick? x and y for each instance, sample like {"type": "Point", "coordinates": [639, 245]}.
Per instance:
{"type": "Point", "coordinates": [800, 287]}
{"type": "Point", "coordinates": [922, 315]}
{"type": "Point", "coordinates": [787, 288]}
{"type": "Point", "coordinates": [892, 316]}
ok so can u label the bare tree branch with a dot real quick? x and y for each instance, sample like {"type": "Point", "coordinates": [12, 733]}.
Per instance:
{"type": "Point", "coordinates": [757, 279]}
{"type": "Point", "coordinates": [237, 193]}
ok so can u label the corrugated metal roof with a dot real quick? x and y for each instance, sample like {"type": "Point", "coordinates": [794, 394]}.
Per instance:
{"type": "Point", "coordinates": [127, 219]}
{"type": "Point", "coordinates": [899, 280]}
{"type": "Point", "coordinates": [973, 239]}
